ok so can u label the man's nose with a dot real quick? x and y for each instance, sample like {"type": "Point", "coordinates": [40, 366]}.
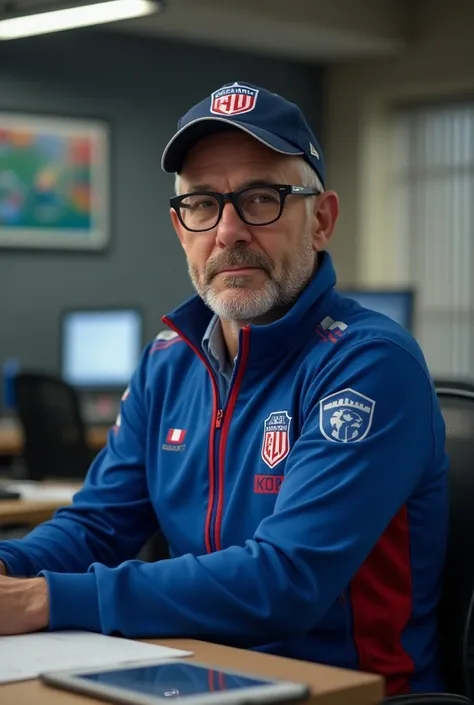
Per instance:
{"type": "Point", "coordinates": [231, 229]}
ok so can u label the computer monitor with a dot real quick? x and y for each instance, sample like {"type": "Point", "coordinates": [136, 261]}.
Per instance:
{"type": "Point", "coordinates": [100, 349]}
{"type": "Point", "coordinates": [396, 304]}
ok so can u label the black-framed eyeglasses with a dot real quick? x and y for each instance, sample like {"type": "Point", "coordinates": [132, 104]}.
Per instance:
{"type": "Point", "coordinates": [255, 205]}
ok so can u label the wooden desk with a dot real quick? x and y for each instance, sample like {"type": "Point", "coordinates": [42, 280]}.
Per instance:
{"type": "Point", "coordinates": [11, 438]}
{"type": "Point", "coordinates": [329, 686]}
{"type": "Point", "coordinates": [18, 512]}
{"type": "Point", "coordinates": [36, 508]}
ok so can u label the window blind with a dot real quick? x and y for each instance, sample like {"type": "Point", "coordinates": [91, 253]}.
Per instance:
{"type": "Point", "coordinates": [434, 189]}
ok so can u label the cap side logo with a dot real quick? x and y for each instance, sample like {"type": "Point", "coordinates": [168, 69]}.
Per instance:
{"type": "Point", "coordinates": [313, 150]}
{"type": "Point", "coordinates": [233, 100]}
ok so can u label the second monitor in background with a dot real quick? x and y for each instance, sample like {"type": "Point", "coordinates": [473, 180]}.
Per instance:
{"type": "Point", "coordinates": [396, 304]}
{"type": "Point", "coordinates": [100, 350]}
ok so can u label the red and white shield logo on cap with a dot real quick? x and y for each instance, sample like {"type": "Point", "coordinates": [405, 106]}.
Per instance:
{"type": "Point", "coordinates": [276, 438]}
{"type": "Point", "coordinates": [233, 100]}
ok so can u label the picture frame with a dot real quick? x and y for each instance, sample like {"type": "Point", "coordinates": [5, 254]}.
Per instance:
{"type": "Point", "coordinates": [54, 182]}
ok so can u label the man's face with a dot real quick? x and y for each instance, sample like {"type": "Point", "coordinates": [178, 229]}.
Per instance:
{"type": "Point", "coordinates": [246, 272]}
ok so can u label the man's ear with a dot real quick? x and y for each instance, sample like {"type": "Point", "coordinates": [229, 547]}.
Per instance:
{"type": "Point", "coordinates": [178, 228]}
{"type": "Point", "coordinates": [326, 209]}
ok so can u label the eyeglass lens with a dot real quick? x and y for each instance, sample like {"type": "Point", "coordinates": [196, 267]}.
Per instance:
{"type": "Point", "coordinates": [258, 205]}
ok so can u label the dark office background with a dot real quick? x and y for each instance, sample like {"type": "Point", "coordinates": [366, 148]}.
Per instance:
{"type": "Point", "coordinates": [141, 87]}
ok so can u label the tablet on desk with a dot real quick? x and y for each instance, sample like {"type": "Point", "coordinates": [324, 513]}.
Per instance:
{"type": "Point", "coordinates": [190, 683]}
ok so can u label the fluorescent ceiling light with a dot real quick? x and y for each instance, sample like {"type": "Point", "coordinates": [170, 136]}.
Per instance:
{"type": "Point", "coordinates": [70, 18]}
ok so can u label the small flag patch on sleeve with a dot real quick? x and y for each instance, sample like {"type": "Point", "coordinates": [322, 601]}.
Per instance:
{"type": "Point", "coordinates": [175, 435]}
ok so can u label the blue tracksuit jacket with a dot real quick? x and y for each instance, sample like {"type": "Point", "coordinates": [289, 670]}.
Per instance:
{"type": "Point", "coordinates": [306, 514]}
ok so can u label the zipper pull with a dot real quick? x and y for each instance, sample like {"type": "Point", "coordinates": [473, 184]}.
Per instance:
{"type": "Point", "coordinates": [219, 417]}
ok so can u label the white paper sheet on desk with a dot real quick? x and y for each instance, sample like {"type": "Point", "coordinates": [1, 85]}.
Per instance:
{"type": "Point", "coordinates": [38, 491]}
{"type": "Point", "coordinates": [25, 657]}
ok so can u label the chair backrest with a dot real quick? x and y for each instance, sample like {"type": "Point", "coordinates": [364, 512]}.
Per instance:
{"type": "Point", "coordinates": [461, 385]}
{"type": "Point", "coordinates": [54, 435]}
{"type": "Point", "coordinates": [457, 406]}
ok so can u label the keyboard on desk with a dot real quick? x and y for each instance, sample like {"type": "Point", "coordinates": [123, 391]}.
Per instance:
{"type": "Point", "coordinates": [5, 494]}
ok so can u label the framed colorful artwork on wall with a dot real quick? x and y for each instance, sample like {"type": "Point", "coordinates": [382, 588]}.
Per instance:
{"type": "Point", "coordinates": [54, 182]}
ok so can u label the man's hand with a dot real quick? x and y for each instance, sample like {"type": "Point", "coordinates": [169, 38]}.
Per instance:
{"type": "Point", "coordinates": [3, 570]}
{"type": "Point", "coordinates": [24, 605]}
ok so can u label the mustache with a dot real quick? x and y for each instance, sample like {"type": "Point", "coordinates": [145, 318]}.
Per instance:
{"type": "Point", "coordinates": [240, 257]}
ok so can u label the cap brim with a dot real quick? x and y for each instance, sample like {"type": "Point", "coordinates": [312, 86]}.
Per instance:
{"type": "Point", "coordinates": [177, 148]}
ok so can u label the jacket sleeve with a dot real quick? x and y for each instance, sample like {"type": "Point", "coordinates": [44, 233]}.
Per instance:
{"type": "Point", "coordinates": [110, 518]}
{"type": "Point", "coordinates": [333, 505]}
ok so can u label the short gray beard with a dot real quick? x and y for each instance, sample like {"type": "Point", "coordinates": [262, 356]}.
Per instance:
{"type": "Point", "coordinates": [280, 291]}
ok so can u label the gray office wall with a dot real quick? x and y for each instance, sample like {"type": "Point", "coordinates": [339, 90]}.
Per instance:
{"type": "Point", "coordinates": [141, 87]}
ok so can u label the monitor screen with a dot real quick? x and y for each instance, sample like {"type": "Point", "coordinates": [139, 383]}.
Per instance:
{"type": "Point", "coordinates": [100, 349]}
{"type": "Point", "coordinates": [397, 305]}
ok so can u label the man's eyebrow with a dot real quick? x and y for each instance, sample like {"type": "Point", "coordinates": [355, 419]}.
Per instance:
{"type": "Point", "coordinates": [193, 188]}
{"type": "Point", "coordinates": [199, 187]}
{"type": "Point", "coordinates": [258, 182]}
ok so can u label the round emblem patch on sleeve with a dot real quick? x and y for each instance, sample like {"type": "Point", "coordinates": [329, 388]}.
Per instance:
{"type": "Point", "coordinates": [346, 416]}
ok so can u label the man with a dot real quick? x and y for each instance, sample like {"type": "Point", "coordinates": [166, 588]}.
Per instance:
{"type": "Point", "coordinates": [287, 442]}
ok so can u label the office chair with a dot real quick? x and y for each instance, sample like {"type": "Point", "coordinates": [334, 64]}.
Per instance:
{"type": "Point", "coordinates": [54, 434]}
{"type": "Point", "coordinates": [457, 405]}
{"type": "Point", "coordinates": [457, 384]}
{"type": "Point", "coordinates": [456, 613]}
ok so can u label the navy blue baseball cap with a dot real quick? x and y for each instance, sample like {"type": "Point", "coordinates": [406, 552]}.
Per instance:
{"type": "Point", "coordinates": [268, 117]}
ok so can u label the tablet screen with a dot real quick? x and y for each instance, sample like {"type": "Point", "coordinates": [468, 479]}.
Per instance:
{"type": "Point", "coordinates": [172, 680]}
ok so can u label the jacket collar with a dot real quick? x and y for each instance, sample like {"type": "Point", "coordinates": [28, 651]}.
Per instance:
{"type": "Point", "coordinates": [275, 340]}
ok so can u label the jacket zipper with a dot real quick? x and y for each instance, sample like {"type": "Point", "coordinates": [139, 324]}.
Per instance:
{"type": "Point", "coordinates": [217, 416]}
{"type": "Point", "coordinates": [220, 421]}
{"type": "Point", "coordinates": [223, 420]}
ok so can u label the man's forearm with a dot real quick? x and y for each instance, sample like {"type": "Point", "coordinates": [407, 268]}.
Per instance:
{"type": "Point", "coordinates": [56, 545]}
{"type": "Point", "coordinates": [24, 605]}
